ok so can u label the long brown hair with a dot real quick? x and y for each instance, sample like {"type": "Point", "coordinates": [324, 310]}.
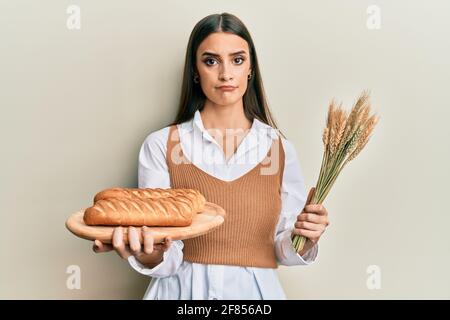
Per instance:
{"type": "Point", "coordinates": [192, 96]}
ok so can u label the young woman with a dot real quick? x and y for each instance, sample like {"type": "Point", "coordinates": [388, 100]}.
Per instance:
{"type": "Point", "coordinates": [225, 144]}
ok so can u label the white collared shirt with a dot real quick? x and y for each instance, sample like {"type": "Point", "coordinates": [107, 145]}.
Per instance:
{"type": "Point", "coordinates": [175, 278]}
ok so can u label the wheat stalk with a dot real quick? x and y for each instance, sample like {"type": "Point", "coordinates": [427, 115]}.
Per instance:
{"type": "Point", "coordinates": [344, 137]}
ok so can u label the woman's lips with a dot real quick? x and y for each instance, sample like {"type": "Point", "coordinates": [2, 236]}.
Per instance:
{"type": "Point", "coordinates": [227, 88]}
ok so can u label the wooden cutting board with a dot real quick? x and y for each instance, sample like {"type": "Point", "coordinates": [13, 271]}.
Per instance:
{"type": "Point", "coordinates": [212, 217]}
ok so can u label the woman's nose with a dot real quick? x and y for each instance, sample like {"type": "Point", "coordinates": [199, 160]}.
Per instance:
{"type": "Point", "coordinates": [225, 77]}
{"type": "Point", "coordinates": [225, 72]}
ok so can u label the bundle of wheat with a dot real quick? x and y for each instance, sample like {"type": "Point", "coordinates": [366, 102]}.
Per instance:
{"type": "Point", "coordinates": [343, 137]}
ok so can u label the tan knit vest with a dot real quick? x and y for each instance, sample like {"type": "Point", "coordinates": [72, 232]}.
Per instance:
{"type": "Point", "coordinates": [252, 203]}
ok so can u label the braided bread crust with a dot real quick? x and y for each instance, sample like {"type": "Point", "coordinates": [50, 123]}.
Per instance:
{"type": "Point", "coordinates": [162, 212]}
{"type": "Point", "coordinates": [185, 195]}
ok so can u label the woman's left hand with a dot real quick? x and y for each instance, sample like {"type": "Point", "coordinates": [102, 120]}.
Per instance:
{"type": "Point", "coordinates": [311, 223]}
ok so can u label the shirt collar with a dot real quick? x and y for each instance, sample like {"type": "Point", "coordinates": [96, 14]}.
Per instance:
{"type": "Point", "coordinates": [196, 123]}
{"type": "Point", "coordinates": [260, 134]}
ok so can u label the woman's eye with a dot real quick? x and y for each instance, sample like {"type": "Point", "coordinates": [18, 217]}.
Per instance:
{"type": "Point", "coordinates": [208, 60]}
{"type": "Point", "coordinates": [239, 59]}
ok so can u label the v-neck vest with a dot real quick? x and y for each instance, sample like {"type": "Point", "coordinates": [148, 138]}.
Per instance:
{"type": "Point", "coordinates": [252, 204]}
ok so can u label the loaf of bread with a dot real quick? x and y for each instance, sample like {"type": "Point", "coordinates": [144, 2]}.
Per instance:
{"type": "Point", "coordinates": [149, 207]}
{"type": "Point", "coordinates": [186, 195]}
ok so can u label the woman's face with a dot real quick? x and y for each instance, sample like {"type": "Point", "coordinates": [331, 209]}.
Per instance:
{"type": "Point", "coordinates": [223, 59]}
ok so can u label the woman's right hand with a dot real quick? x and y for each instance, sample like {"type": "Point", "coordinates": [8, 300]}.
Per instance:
{"type": "Point", "coordinates": [149, 254]}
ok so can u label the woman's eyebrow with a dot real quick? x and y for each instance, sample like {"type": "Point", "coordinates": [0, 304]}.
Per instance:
{"type": "Point", "coordinates": [206, 53]}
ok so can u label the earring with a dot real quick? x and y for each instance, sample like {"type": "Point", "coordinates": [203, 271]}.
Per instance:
{"type": "Point", "coordinates": [249, 76]}
{"type": "Point", "coordinates": [196, 79]}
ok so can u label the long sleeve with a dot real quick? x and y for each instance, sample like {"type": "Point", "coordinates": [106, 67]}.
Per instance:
{"type": "Point", "coordinates": [152, 166]}
{"type": "Point", "coordinates": [293, 197]}
{"type": "Point", "coordinates": [153, 173]}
